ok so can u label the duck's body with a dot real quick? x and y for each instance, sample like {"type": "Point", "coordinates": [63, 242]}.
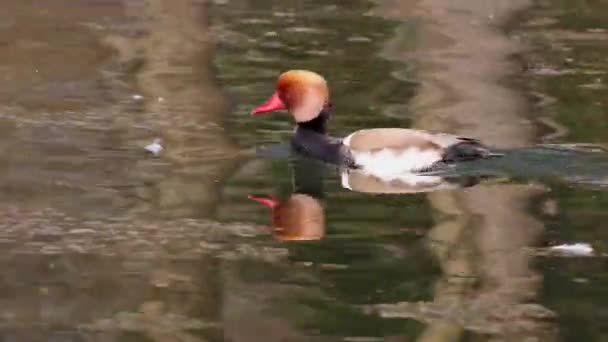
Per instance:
{"type": "Point", "coordinates": [384, 152]}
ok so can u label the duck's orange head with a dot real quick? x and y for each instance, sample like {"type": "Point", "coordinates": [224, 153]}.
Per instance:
{"type": "Point", "coordinates": [303, 93]}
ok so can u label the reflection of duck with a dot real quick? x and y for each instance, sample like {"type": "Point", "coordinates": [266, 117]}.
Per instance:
{"type": "Point", "coordinates": [383, 152]}
{"type": "Point", "coordinates": [300, 217]}
{"type": "Point", "coordinates": [360, 181]}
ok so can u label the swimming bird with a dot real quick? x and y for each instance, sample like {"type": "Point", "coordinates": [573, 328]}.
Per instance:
{"type": "Point", "coordinates": [383, 152]}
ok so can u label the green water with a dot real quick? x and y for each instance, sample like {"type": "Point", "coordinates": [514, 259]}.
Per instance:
{"type": "Point", "coordinates": [102, 241]}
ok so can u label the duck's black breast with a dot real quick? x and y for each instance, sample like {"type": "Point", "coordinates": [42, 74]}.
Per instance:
{"type": "Point", "coordinates": [311, 139]}
{"type": "Point", "coordinates": [316, 145]}
{"type": "Point", "coordinates": [321, 146]}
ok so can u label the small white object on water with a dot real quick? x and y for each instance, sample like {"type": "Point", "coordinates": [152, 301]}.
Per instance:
{"type": "Point", "coordinates": [574, 249]}
{"type": "Point", "coordinates": [137, 97]}
{"type": "Point", "coordinates": [155, 147]}
{"type": "Point", "coordinates": [160, 99]}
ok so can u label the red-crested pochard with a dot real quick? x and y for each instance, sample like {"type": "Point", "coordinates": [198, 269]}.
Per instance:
{"type": "Point", "coordinates": [301, 217]}
{"type": "Point", "coordinates": [385, 152]}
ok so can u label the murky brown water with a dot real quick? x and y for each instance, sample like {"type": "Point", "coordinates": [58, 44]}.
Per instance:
{"type": "Point", "coordinates": [103, 241]}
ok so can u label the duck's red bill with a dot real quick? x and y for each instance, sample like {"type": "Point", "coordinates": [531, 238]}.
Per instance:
{"type": "Point", "coordinates": [272, 104]}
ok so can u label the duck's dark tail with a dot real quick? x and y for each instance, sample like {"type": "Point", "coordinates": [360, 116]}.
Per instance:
{"type": "Point", "coordinates": [468, 149]}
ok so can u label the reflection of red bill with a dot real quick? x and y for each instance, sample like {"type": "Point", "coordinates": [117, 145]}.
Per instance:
{"type": "Point", "coordinates": [267, 201]}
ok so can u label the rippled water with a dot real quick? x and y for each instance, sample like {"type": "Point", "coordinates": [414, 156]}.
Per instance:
{"type": "Point", "coordinates": [104, 241]}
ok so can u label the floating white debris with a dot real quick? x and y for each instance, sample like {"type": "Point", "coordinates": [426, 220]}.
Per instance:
{"type": "Point", "coordinates": [575, 249]}
{"type": "Point", "coordinates": [155, 147]}
{"type": "Point", "coordinates": [160, 99]}
{"type": "Point", "coordinates": [580, 280]}
{"type": "Point", "coordinates": [137, 97]}
{"type": "Point", "coordinates": [358, 39]}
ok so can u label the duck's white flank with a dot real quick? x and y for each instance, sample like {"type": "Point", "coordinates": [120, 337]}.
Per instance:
{"type": "Point", "coordinates": [388, 164]}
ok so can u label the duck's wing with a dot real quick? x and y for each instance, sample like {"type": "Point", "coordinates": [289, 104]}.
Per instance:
{"type": "Point", "coordinates": [391, 138]}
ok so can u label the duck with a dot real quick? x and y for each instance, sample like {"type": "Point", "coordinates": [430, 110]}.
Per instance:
{"type": "Point", "coordinates": [300, 217]}
{"type": "Point", "coordinates": [387, 153]}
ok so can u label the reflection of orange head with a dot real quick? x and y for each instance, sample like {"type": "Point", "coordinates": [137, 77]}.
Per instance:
{"type": "Point", "coordinates": [304, 93]}
{"type": "Point", "coordinates": [301, 217]}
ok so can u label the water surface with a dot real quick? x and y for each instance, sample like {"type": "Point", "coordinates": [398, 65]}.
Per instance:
{"type": "Point", "coordinates": [102, 241]}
